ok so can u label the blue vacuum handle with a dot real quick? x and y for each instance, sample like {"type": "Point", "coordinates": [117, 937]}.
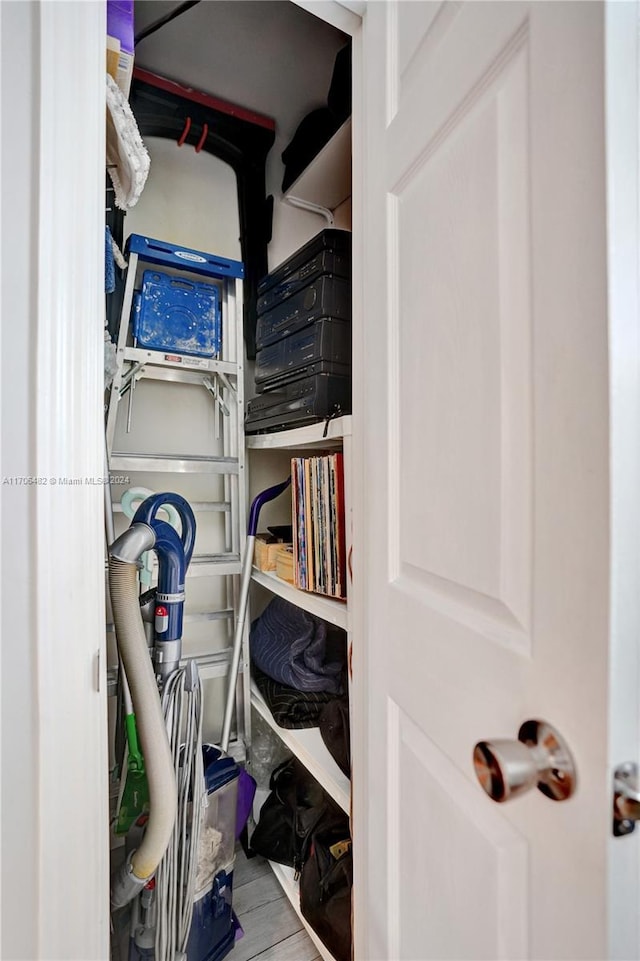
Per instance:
{"type": "Point", "coordinates": [171, 571]}
{"type": "Point", "coordinates": [260, 500]}
{"type": "Point", "coordinates": [147, 511]}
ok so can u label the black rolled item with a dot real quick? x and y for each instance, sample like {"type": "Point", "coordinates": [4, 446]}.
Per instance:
{"type": "Point", "coordinates": [313, 132]}
{"type": "Point", "coordinates": [291, 709]}
{"type": "Point", "coordinates": [335, 732]}
{"type": "Point", "coordinates": [339, 97]}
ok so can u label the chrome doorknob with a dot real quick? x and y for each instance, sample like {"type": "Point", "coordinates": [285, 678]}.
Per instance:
{"type": "Point", "coordinates": [539, 758]}
{"type": "Point", "coordinates": [626, 799]}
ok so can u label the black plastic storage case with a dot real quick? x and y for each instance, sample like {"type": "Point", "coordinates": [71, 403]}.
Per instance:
{"type": "Point", "coordinates": [325, 296]}
{"type": "Point", "coordinates": [329, 252]}
{"type": "Point", "coordinates": [303, 402]}
{"type": "Point", "coordinates": [324, 347]}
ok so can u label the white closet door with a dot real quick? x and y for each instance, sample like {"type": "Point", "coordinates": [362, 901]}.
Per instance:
{"type": "Point", "coordinates": [491, 562]}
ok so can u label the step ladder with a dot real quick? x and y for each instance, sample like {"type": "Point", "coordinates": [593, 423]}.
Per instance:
{"type": "Point", "coordinates": [222, 377]}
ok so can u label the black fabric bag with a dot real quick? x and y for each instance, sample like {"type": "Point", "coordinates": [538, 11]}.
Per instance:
{"type": "Point", "coordinates": [273, 836]}
{"type": "Point", "coordinates": [312, 133]}
{"type": "Point", "coordinates": [326, 882]}
{"type": "Point", "coordinates": [339, 96]}
{"type": "Point", "coordinates": [318, 127]}
{"type": "Point", "coordinates": [296, 806]}
{"type": "Point", "coordinates": [334, 730]}
{"type": "Point", "coordinates": [291, 709]}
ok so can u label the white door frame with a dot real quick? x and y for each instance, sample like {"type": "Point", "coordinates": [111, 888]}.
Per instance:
{"type": "Point", "coordinates": [70, 446]}
{"type": "Point", "coordinates": [622, 108]}
{"type": "Point", "coordinates": [55, 867]}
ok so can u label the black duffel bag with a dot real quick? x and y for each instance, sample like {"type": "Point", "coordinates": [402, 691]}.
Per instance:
{"type": "Point", "coordinates": [326, 882]}
{"type": "Point", "coordinates": [295, 808]}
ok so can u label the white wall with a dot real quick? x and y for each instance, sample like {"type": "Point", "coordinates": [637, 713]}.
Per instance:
{"type": "Point", "coordinates": [202, 212]}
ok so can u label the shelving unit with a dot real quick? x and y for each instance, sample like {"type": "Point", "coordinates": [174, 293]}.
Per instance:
{"type": "Point", "coordinates": [321, 188]}
{"type": "Point", "coordinates": [307, 745]}
{"type": "Point", "coordinates": [326, 182]}
{"type": "Point", "coordinates": [285, 876]}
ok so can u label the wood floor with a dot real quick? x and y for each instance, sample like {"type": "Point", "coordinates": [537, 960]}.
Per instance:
{"type": "Point", "coordinates": [272, 929]}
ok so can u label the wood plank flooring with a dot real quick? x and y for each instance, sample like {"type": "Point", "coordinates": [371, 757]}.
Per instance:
{"type": "Point", "coordinates": [272, 929]}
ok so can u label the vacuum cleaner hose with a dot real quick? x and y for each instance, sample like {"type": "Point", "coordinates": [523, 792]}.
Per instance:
{"type": "Point", "coordinates": [141, 865]}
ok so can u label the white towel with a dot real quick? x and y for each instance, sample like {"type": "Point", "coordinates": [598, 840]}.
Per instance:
{"type": "Point", "coordinates": [127, 159]}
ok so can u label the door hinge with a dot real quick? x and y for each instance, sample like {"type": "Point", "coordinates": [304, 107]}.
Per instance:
{"type": "Point", "coordinates": [626, 799]}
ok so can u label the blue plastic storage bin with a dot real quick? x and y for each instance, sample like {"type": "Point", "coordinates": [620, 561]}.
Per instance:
{"type": "Point", "coordinates": [178, 315]}
{"type": "Point", "coordinates": [213, 931]}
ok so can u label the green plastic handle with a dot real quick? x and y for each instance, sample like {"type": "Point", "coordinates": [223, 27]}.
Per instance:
{"type": "Point", "coordinates": [135, 760]}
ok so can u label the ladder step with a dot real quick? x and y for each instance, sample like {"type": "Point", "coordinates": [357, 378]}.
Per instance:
{"type": "Point", "coordinates": [208, 616]}
{"type": "Point", "coordinates": [204, 565]}
{"type": "Point", "coordinates": [189, 370]}
{"type": "Point", "coordinates": [213, 665]}
{"type": "Point", "coordinates": [209, 665]}
{"type": "Point", "coordinates": [193, 618]}
{"type": "Point", "coordinates": [196, 506]}
{"type": "Point", "coordinates": [170, 463]}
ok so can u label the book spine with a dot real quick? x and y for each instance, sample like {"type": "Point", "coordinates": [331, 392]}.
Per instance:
{"type": "Point", "coordinates": [308, 517]}
{"type": "Point", "coordinates": [340, 538]}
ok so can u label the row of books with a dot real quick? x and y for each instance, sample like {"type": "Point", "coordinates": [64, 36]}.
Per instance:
{"type": "Point", "coordinates": [317, 485]}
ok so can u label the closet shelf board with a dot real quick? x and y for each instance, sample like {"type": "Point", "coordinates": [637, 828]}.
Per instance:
{"type": "Point", "coordinates": [300, 438]}
{"type": "Point", "coordinates": [307, 745]}
{"type": "Point", "coordinates": [335, 612]}
{"type": "Point", "coordinates": [285, 876]}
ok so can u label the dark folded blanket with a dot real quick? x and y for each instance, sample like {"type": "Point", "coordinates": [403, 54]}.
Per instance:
{"type": "Point", "coordinates": [290, 646]}
{"type": "Point", "coordinates": [291, 708]}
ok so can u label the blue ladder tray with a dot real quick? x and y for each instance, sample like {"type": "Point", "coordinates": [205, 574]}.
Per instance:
{"type": "Point", "coordinates": [175, 313]}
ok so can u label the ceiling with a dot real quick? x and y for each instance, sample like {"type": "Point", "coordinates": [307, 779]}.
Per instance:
{"type": "Point", "coordinates": [267, 55]}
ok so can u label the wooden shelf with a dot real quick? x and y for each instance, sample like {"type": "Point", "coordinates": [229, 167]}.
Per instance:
{"type": "Point", "coordinates": [326, 181]}
{"type": "Point", "coordinates": [307, 745]}
{"type": "Point", "coordinates": [285, 876]}
{"type": "Point", "coordinates": [335, 612]}
{"type": "Point", "coordinates": [311, 436]}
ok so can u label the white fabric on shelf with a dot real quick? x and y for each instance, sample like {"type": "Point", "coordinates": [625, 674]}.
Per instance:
{"type": "Point", "coordinates": [128, 161]}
